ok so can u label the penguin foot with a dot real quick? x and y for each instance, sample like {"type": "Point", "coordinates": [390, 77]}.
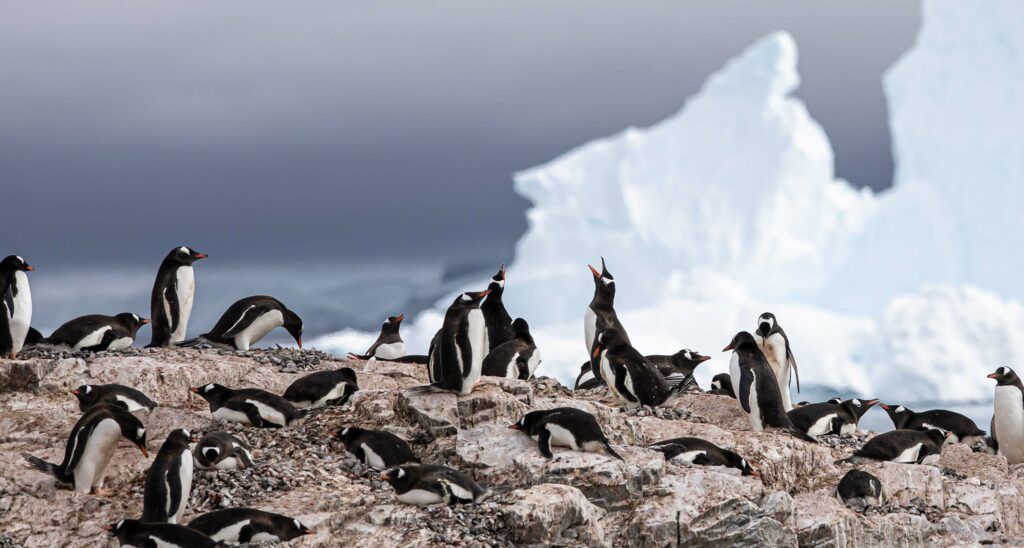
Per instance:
{"type": "Point", "coordinates": [102, 491]}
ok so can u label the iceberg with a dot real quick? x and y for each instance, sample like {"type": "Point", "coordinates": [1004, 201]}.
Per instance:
{"type": "Point", "coordinates": [731, 207]}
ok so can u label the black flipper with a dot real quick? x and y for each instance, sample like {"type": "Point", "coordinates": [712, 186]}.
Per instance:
{"type": "Point", "coordinates": [46, 467]}
{"type": "Point", "coordinates": [250, 315]}
{"type": "Point", "coordinates": [544, 443]}
{"type": "Point", "coordinates": [746, 381]}
{"type": "Point", "coordinates": [171, 296]}
{"type": "Point", "coordinates": [620, 385]}
{"type": "Point", "coordinates": [608, 448]}
{"type": "Point", "coordinates": [154, 501]}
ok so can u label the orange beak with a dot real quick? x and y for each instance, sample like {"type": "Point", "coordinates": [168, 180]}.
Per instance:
{"type": "Point", "coordinates": [310, 532]}
{"type": "Point", "coordinates": [594, 271]}
{"type": "Point", "coordinates": [108, 527]}
{"type": "Point", "coordinates": [29, 268]}
{"type": "Point", "coordinates": [871, 402]}
{"type": "Point", "coordinates": [299, 341]}
{"type": "Point", "coordinates": [703, 359]}
{"type": "Point", "coordinates": [75, 392]}
{"type": "Point", "coordinates": [201, 256]}
{"type": "Point", "coordinates": [597, 351]}
{"type": "Point", "coordinates": [144, 452]}
{"type": "Point", "coordinates": [145, 321]}
{"type": "Point", "coordinates": [401, 317]}
{"type": "Point", "coordinates": [993, 376]}
{"type": "Point", "coordinates": [514, 427]}
{"type": "Point", "coordinates": [884, 406]}
{"type": "Point", "coordinates": [193, 390]}
{"type": "Point", "coordinates": [727, 348]}
{"type": "Point", "coordinates": [384, 475]}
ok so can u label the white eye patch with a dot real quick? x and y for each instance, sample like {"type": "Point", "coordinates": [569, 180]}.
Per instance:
{"type": "Point", "coordinates": [20, 260]}
{"type": "Point", "coordinates": [900, 409]}
{"type": "Point", "coordinates": [345, 431]}
{"type": "Point", "coordinates": [688, 355]}
{"type": "Point", "coordinates": [211, 452]}
{"type": "Point", "coordinates": [716, 384]}
{"type": "Point", "coordinates": [856, 402]}
{"type": "Point", "coordinates": [183, 249]}
{"type": "Point", "coordinates": [466, 297]}
{"type": "Point", "coordinates": [607, 281]}
{"type": "Point", "coordinates": [137, 318]}
{"type": "Point", "coordinates": [207, 388]}
{"type": "Point", "coordinates": [401, 473]}
{"type": "Point", "coordinates": [140, 432]}
{"type": "Point", "coordinates": [187, 433]}
{"type": "Point", "coordinates": [88, 389]}
{"type": "Point", "coordinates": [297, 524]}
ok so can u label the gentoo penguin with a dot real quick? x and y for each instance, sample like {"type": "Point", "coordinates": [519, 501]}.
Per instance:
{"type": "Point", "coordinates": [632, 379]}
{"type": "Point", "coordinates": [389, 344]}
{"type": "Point", "coordinates": [704, 453]}
{"type": "Point", "coordinates": [173, 292]}
{"type": "Point", "coordinates": [33, 337]}
{"type": "Point", "coordinates": [721, 385]}
{"type": "Point", "coordinates": [133, 532]}
{"type": "Point", "coordinates": [250, 406]}
{"type": "Point", "coordinates": [818, 419]}
{"type": "Point", "coordinates": [15, 305]}
{"type": "Point", "coordinates": [906, 446]}
{"type": "Point", "coordinates": [1008, 415]}
{"type": "Point", "coordinates": [516, 358]}
{"type": "Point", "coordinates": [129, 398]}
{"type": "Point", "coordinates": [678, 367]}
{"type": "Point", "coordinates": [457, 354]}
{"type": "Point", "coordinates": [775, 347]}
{"type": "Point", "coordinates": [565, 427]}
{"type": "Point", "coordinates": [223, 451]}
{"type": "Point", "coordinates": [169, 481]}
{"type": "Point", "coordinates": [497, 319]}
{"type": "Point", "coordinates": [600, 314]}
{"type": "Point", "coordinates": [333, 387]}
{"type": "Point", "coordinates": [587, 379]}
{"type": "Point", "coordinates": [964, 429]}
{"type": "Point", "coordinates": [859, 488]}
{"type": "Point", "coordinates": [757, 390]}
{"type": "Point", "coordinates": [245, 525]}
{"type": "Point", "coordinates": [248, 320]}
{"type": "Point", "coordinates": [377, 449]}
{"type": "Point", "coordinates": [87, 332]}
{"type": "Point", "coordinates": [90, 446]}
{"type": "Point", "coordinates": [423, 484]}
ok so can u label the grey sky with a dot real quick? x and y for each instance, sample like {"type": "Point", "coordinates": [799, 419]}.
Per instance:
{"type": "Point", "coordinates": [329, 130]}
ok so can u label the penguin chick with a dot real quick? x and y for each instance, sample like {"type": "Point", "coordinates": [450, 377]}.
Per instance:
{"type": "Point", "coordinates": [424, 484]}
{"type": "Point", "coordinates": [565, 427]}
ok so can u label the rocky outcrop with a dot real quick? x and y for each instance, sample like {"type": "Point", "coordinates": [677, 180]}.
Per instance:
{"type": "Point", "coordinates": [576, 498]}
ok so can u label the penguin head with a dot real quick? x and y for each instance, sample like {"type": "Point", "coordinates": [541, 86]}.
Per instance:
{"type": "Point", "coordinates": [87, 395]}
{"type": "Point", "coordinates": [399, 476]}
{"type": "Point", "coordinates": [392, 323]}
{"type": "Point", "coordinates": [294, 528]}
{"type": "Point", "coordinates": [526, 422]}
{"type": "Point", "coordinates": [124, 529]}
{"type": "Point", "coordinates": [498, 280]}
{"type": "Point", "coordinates": [470, 299]}
{"type": "Point", "coordinates": [689, 358]}
{"type": "Point", "coordinates": [940, 437]}
{"type": "Point", "coordinates": [765, 324]}
{"type": "Point", "coordinates": [745, 468]}
{"type": "Point", "coordinates": [179, 437]}
{"type": "Point", "coordinates": [348, 434]}
{"type": "Point", "coordinates": [721, 381]}
{"type": "Point", "coordinates": [210, 392]}
{"type": "Point", "coordinates": [1004, 376]}
{"type": "Point", "coordinates": [607, 339]}
{"type": "Point", "coordinates": [136, 434]}
{"type": "Point", "coordinates": [858, 407]}
{"type": "Point", "coordinates": [520, 327]}
{"type": "Point", "coordinates": [293, 325]}
{"type": "Point", "coordinates": [897, 413]}
{"type": "Point", "coordinates": [743, 339]}
{"type": "Point", "coordinates": [12, 263]}
{"type": "Point", "coordinates": [604, 282]}
{"type": "Point", "coordinates": [209, 454]}
{"type": "Point", "coordinates": [184, 256]}
{"type": "Point", "coordinates": [131, 321]}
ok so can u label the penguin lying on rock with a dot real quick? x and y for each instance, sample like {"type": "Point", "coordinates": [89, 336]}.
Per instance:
{"type": "Point", "coordinates": [133, 532]}
{"type": "Point", "coordinates": [389, 344]}
{"type": "Point", "coordinates": [818, 419]}
{"type": "Point", "coordinates": [377, 449]}
{"type": "Point", "coordinates": [245, 525]}
{"type": "Point", "coordinates": [905, 446]}
{"type": "Point", "coordinates": [565, 427]}
{"type": "Point", "coordinates": [97, 332]}
{"type": "Point", "coordinates": [223, 451]}
{"type": "Point", "coordinates": [250, 406]}
{"type": "Point", "coordinates": [115, 394]}
{"type": "Point", "coordinates": [703, 452]}
{"type": "Point", "coordinates": [860, 489]}
{"type": "Point", "coordinates": [964, 429]}
{"type": "Point", "coordinates": [322, 388]}
{"type": "Point", "coordinates": [424, 484]}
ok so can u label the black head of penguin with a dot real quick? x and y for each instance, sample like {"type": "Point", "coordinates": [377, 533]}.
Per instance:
{"type": "Point", "coordinates": [349, 434]}
{"type": "Point", "coordinates": [131, 322]}
{"type": "Point", "coordinates": [87, 396]}
{"type": "Point", "coordinates": [293, 325]}
{"type": "Point", "coordinates": [12, 263]}
{"type": "Point", "coordinates": [213, 393]}
{"type": "Point", "coordinates": [178, 440]}
{"type": "Point", "coordinates": [688, 359]}
{"type": "Point", "coordinates": [733, 460]}
{"type": "Point", "coordinates": [898, 414]}
{"type": "Point", "coordinates": [766, 324]}
{"type": "Point", "coordinates": [857, 407]}
{"type": "Point", "coordinates": [722, 381]}
{"type": "Point", "coordinates": [183, 256]}
{"type": "Point", "coordinates": [470, 300]}
{"type": "Point", "coordinates": [521, 329]}
{"type": "Point", "coordinates": [743, 341]}
{"type": "Point", "coordinates": [608, 339]}
{"type": "Point", "coordinates": [124, 529]}
{"type": "Point", "coordinates": [604, 284]}
{"type": "Point", "coordinates": [402, 478]}
{"type": "Point", "coordinates": [527, 422]}
{"type": "Point", "coordinates": [939, 437]}
{"type": "Point", "coordinates": [497, 285]}
{"type": "Point", "coordinates": [1005, 376]}
{"type": "Point", "coordinates": [392, 325]}
{"type": "Point", "coordinates": [131, 427]}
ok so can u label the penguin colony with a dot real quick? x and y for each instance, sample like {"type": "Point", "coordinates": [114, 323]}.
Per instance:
{"type": "Point", "coordinates": [478, 337]}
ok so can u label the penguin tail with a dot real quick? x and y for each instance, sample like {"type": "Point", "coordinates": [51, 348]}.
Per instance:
{"type": "Point", "coordinates": [611, 451]}
{"type": "Point", "coordinates": [41, 465]}
{"type": "Point", "coordinates": [801, 435]}
{"type": "Point", "coordinates": [191, 343]}
{"type": "Point", "coordinates": [353, 356]}
{"type": "Point", "coordinates": [486, 494]}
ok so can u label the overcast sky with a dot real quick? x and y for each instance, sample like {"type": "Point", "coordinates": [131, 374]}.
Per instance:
{"type": "Point", "coordinates": [325, 130]}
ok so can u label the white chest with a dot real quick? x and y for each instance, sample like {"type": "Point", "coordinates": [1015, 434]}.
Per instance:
{"type": "Point", "coordinates": [477, 330]}
{"type": "Point", "coordinates": [98, 447]}
{"type": "Point", "coordinates": [821, 426]}
{"type": "Point", "coordinates": [186, 290]}
{"type": "Point", "coordinates": [534, 361]}
{"type": "Point", "coordinates": [562, 437]}
{"type": "Point", "coordinates": [1009, 423]}
{"type": "Point", "coordinates": [909, 455]}
{"type": "Point", "coordinates": [230, 533]}
{"type": "Point", "coordinates": [92, 339]}
{"type": "Point", "coordinates": [688, 456]}
{"type": "Point", "coordinates": [258, 329]}
{"type": "Point", "coordinates": [185, 475]}
{"type": "Point", "coordinates": [230, 415]}
{"type": "Point", "coordinates": [130, 403]}
{"type": "Point", "coordinates": [755, 409]}
{"type": "Point", "coordinates": [589, 328]}
{"type": "Point", "coordinates": [269, 413]}
{"type": "Point", "coordinates": [390, 351]}
{"type": "Point", "coordinates": [774, 349]}
{"type": "Point", "coordinates": [373, 460]}
{"type": "Point", "coordinates": [21, 318]}
{"type": "Point", "coordinates": [419, 497]}
{"type": "Point", "coordinates": [511, 371]}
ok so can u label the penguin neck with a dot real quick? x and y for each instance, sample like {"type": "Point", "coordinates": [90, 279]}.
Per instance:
{"type": "Point", "coordinates": [900, 420]}
{"type": "Point", "coordinates": [602, 302]}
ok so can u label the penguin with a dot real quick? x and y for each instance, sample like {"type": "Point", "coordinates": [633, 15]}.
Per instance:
{"type": "Point", "coordinates": [1008, 415]}
{"type": "Point", "coordinates": [248, 320]}
{"type": "Point", "coordinates": [587, 380]}
{"type": "Point", "coordinates": [377, 449]}
{"type": "Point", "coordinates": [905, 446]}
{"type": "Point", "coordinates": [248, 525]}
{"type": "Point", "coordinates": [223, 451]}
{"type": "Point", "coordinates": [775, 345]}
{"type": "Point", "coordinates": [497, 319]}
{"type": "Point", "coordinates": [851, 412]}
{"type": "Point", "coordinates": [89, 332]}
{"type": "Point", "coordinates": [33, 337]}
{"type": "Point", "coordinates": [721, 385]}
{"type": "Point", "coordinates": [565, 427]}
{"type": "Point", "coordinates": [424, 484]}
{"type": "Point", "coordinates": [964, 429]}
{"type": "Point", "coordinates": [250, 406]}
{"type": "Point", "coordinates": [173, 293]}
{"type": "Point", "coordinates": [169, 481]}
{"type": "Point", "coordinates": [457, 353]}
{"type": "Point", "coordinates": [757, 390]}
{"type": "Point", "coordinates": [600, 314]}
{"type": "Point", "coordinates": [131, 399]}
{"type": "Point", "coordinates": [679, 367]}
{"type": "Point", "coordinates": [333, 387]}
{"type": "Point", "coordinates": [15, 305]}
{"type": "Point", "coordinates": [704, 453]}
{"type": "Point", "coordinates": [634, 381]}
{"type": "Point", "coordinates": [860, 488]}
{"type": "Point", "coordinates": [133, 532]}
{"type": "Point", "coordinates": [818, 419]}
{"type": "Point", "coordinates": [389, 344]}
{"type": "Point", "coordinates": [517, 358]}
{"type": "Point", "coordinates": [90, 446]}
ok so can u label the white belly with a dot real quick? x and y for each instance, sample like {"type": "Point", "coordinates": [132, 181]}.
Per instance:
{"type": "Point", "coordinates": [419, 497]}
{"type": "Point", "coordinates": [609, 377]}
{"type": "Point", "coordinates": [263, 537]}
{"type": "Point", "coordinates": [511, 371]}
{"type": "Point", "coordinates": [1009, 423]}
{"type": "Point", "coordinates": [561, 437]}
{"type": "Point", "coordinates": [92, 339]}
{"type": "Point", "coordinates": [160, 543]}
{"type": "Point", "coordinates": [734, 373]}
{"type": "Point", "coordinates": [821, 426]}
{"type": "Point", "coordinates": [774, 349]}
{"type": "Point", "coordinates": [688, 456]}
{"type": "Point", "coordinates": [335, 393]}
{"type": "Point", "coordinates": [121, 344]}
{"type": "Point", "coordinates": [132, 404]}
{"type": "Point", "coordinates": [229, 463]}
{"type": "Point", "coordinates": [230, 533]}
{"type": "Point", "coordinates": [230, 415]}
{"type": "Point", "coordinates": [909, 455]}
{"type": "Point", "coordinates": [534, 362]}
{"type": "Point", "coordinates": [92, 466]}
{"type": "Point", "coordinates": [390, 351]}
{"type": "Point", "coordinates": [186, 290]}
{"type": "Point", "coordinates": [478, 346]}
{"type": "Point", "coordinates": [258, 329]}
{"type": "Point", "coordinates": [847, 429]}
{"type": "Point", "coordinates": [22, 317]}
{"type": "Point", "coordinates": [268, 413]}
{"type": "Point", "coordinates": [373, 460]}
{"type": "Point", "coordinates": [457, 490]}
{"type": "Point", "coordinates": [186, 487]}
{"type": "Point", "coordinates": [755, 410]}
{"type": "Point", "coordinates": [589, 329]}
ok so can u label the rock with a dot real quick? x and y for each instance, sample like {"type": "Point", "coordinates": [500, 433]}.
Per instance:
{"type": "Point", "coordinates": [437, 412]}
{"type": "Point", "coordinates": [543, 513]}
{"type": "Point", "coordinates": [960, 458]}
{"type": "Point", "coordinates": [906, 484]}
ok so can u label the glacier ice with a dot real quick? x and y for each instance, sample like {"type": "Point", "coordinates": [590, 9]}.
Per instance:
{"type": "Point", "coordinates": [730, 207]}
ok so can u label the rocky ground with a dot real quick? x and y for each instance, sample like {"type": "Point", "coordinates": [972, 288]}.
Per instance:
{"type": "Point", "coordinates": [575, 499]}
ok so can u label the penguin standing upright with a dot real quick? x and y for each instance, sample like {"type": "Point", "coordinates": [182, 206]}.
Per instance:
{"type": "Point", "coordinates": [389, 344]}
{"type": "Point", "coordinates": [173, 293]}
{"type": "Point", "coordinates": [775, 345]}
{"type": "Point", "coordinates": [498, 320]}
{"type": "Point", "coordinates": [1008, 415]}
{"type": "Point", "coordinates": [457, 354]}
{"type": "Point", "coordinates": [755, 387]}
{"type": "Point", "coordinates": [516, 358]}
{"type": "Point", "coordinates": [90, 446]}
{"type": "Point", "coordinates": [631, 379]}
{"type": "Point", "coordinates": [169, 482]}
{"type": "Point", "coordinates": [565, 427]}
{"type": "Point", "coordinates": [91, 332]}
{"type": "Point", "coordinates": [15, 305]}
{"type": "Point", "coordinates": [248, 320]}
{"type": "Point", "coordinates": [600, 314]}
